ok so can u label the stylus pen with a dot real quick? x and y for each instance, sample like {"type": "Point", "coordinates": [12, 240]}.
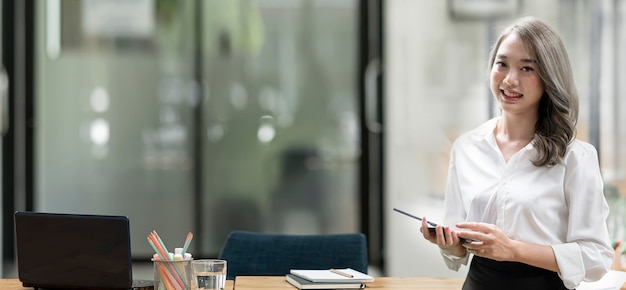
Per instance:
{"type": "Point", "coordinates": [415, 217]}
{"type": "Point", "coordinates": [341, 273]}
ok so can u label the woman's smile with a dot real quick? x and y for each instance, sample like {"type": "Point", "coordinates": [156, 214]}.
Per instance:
{"type": "Point", "coordinates": [510, 95]}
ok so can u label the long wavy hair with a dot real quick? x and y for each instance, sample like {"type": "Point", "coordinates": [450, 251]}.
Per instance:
{"type": "Point", "coordinates": [558, 107]}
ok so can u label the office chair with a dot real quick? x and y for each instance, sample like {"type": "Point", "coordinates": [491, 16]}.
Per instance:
{"type": "Point", "coordinates": [259, 254]}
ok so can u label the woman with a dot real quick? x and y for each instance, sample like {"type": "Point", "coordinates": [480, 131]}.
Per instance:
{"type": "Point", "coordinates": [527, 193]}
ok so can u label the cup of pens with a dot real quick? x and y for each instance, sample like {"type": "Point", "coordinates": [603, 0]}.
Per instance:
{"type": "Point", "coordinates": [174, 275]}
{"type": "Point", "coordinates": [172, 271]}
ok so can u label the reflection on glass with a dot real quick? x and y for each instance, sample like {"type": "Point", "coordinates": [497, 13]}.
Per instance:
{"type": "Point", "coordinates": [238, 96]}
{"type": "Point", "coordinates": [53, 29]}
{"type": "Point", "coordinates": [99, 132]}
{"type": "Point", "coordinates": [99, 100]}
{"type": "Point", "coordinates": [266, 132]}
{"type": "Point", "coordinates": [215, 132]}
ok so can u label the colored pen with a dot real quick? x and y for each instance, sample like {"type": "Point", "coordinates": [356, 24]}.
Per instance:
{"type": "Point", "coordinates": [341, 273]}
{"type": "Point", "coordinates": [187, 242]}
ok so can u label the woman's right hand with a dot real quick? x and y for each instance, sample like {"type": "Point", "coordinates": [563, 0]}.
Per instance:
{"type": "Point", "coordinates": [444, 237]}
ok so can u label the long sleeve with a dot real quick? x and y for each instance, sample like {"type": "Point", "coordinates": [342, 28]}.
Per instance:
{"type": "Point", "coordinates": [586, 254]}
{"type": "Point", "coordinates": [562, 206]}
{"type": "Point", "coordinates": [454, 211]}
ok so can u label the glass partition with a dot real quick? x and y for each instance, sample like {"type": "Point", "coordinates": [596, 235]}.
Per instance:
{"type": "Point", "coordinates": [204, 116]}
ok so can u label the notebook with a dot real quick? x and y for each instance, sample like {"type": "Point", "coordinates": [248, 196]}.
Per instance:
{"type": "Point", "coordinates": [74, 251]}
{"type": "Point", "coordinates": [332, 275]}
{"type": "Point", "coordinates": [302, 283]}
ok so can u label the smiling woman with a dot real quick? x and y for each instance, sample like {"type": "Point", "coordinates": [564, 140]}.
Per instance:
{"type": "Point", "coordinates": [519, 184]}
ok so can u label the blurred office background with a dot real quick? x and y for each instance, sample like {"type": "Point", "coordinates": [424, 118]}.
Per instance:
{"type": "Point", "coordinates": [282, 116]}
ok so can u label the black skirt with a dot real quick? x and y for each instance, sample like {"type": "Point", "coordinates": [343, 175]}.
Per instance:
{"type": "Point", "coordinates": [487, 274]}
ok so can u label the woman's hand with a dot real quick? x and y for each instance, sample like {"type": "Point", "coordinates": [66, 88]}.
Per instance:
{"type": "Point", "coordinates": [444, 237]}
{"type": "Point", "coordinates": [617, 258]}
{"type": "Point", "coordinates": [489, 241]}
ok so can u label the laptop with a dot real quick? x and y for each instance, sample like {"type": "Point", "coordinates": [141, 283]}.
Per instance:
{"type": "Point", "coordinates": [74, 251]}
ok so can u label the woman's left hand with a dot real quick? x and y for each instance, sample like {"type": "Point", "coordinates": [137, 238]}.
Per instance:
{"type": "Point", "coordinates": [488, 241]}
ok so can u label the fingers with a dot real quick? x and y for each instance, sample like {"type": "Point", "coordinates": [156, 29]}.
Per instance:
{"type": "Point", "coordinates": [478, 231]}
{"type": "Point", "coordinates": [472, 237]}
{"type": "Point", "coordinates": [477, 252]}
{"type": "Point", "coordinates": [426, 233]}
{"type": "Point", "coordinates": [447, 237]}
{"type": "Point", "coordinates": [476, 249]}
{"type": "Point", "coordinates": [475, 226]}
{"type": "Point", "coordinates": [441, 236]}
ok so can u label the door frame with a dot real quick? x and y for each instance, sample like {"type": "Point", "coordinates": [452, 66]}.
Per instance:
{"type": "Point", "coordinates": [17, 150]}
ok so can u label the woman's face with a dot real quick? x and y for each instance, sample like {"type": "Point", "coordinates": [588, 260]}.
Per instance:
{"type": "Point", "coordinates": [515, 81]}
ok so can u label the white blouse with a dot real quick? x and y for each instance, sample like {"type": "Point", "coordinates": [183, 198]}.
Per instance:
{"type": "Point", "coordinates": [562, 206]}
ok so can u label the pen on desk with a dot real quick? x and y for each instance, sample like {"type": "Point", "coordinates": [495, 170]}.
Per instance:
{"type": "Point", "coordinates": [341, 273]}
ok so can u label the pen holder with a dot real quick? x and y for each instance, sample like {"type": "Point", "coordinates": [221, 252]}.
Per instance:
{"type": "Point", "coordinates": [173, 275]}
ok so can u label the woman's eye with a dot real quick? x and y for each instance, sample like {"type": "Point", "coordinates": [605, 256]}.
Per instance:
{"type": "Point", "coordinates": [500, 64]}
{"type": "Point", "coordinates": [527, 68]}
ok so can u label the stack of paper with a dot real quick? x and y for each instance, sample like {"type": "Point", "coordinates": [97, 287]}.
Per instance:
{"type": "Point", "coordinates": [328, 279]}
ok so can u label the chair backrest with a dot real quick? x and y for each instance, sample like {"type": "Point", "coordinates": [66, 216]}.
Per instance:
{"type": "Point", "coordinates": [260, 254]}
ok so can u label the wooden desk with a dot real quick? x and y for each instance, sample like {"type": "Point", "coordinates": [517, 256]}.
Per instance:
{"type": "Point", "coordinates": [389, 283]}
{"type": "Point", "coordinates": [278, 282]}
{"type": "Point", "coordinates": [11, 284]}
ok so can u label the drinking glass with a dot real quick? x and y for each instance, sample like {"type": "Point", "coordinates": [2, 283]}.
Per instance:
{"type": "Point", "coordinates": [209, 274]}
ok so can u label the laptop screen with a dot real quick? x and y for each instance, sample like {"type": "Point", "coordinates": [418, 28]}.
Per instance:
{"type": "Point", "coordinates": [73, 251]}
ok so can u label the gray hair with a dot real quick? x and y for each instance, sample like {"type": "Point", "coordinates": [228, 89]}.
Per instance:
{"type": "Point", "coordinates": [558, 107]}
